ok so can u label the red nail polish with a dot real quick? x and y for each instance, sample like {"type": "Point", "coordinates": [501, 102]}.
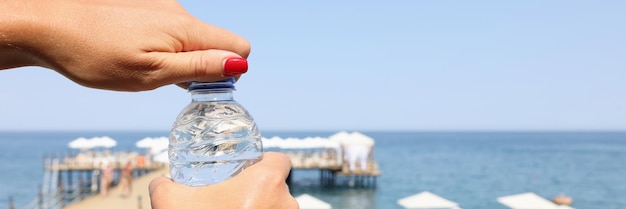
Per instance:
{"type": "Point", "coordinates": [235, 66]}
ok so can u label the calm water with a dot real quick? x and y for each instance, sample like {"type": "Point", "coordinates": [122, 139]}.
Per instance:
{"type": "Point", "coordinates": [472, 169]}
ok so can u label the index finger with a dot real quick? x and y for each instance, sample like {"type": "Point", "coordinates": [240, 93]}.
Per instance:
{"type": "Point", "coordinates": [197, 32]}
{"type": "Point", "coordinates": [158, 182]}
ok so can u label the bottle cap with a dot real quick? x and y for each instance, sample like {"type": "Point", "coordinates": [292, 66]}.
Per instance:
{"type": "Point", "coordinates": [221, 84]}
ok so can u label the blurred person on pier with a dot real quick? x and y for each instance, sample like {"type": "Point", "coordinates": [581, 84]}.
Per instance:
{"type": "Point", "coordinates": [126, 180]}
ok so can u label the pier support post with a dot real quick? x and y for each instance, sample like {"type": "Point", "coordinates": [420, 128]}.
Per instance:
{"type": "Point", "coordinates": [139, 202]}
{"type": "Point", "coordinates": [69, 177]}
{"type": "Point", "coordinates": [79, 195]}
{"type": "Point", "coordinates": [11, 206]}
{"type": "Point", "coordinates": [40, 197]}
{"type": "Point", "coordinates": [373, 181]}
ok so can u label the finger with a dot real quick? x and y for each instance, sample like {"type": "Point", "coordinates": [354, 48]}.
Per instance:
{"type": "Point", "coordinates": [206, 66]}
{"type": "Point", "coordinates": [198, 31]}
{"type": "Point", "coordinates": [277, 163]}
{"type": "Point", "coordinates": [159, 182]}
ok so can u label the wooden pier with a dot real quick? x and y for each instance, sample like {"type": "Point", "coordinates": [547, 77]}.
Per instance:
{"type": "Point", "coordinates": [71, 179]}
{"type": "Point", "coordinates": [342, 155]}
{"type": "Point", "coordinates": [332, 169]}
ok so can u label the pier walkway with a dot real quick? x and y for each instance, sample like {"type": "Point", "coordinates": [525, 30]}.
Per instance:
{"type": "Point", "coordinates": [76, 190]}
{"type": "Point", "coordinates": [139, 199]}
{"type": "Point", "coordinates": [73, 179]}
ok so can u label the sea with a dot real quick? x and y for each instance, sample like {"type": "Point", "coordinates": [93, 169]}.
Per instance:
{"type": "Point", "coordinates": [472, 169]}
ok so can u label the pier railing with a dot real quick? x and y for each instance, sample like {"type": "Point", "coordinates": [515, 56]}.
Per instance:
{"type": "Point", "coordinates": [56, 199]}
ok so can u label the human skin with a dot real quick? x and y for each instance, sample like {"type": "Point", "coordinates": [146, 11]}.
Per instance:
{"type": "Point", "coordinates": [261, 186]}
{"type": "Point", "coordinates": [116, 45]}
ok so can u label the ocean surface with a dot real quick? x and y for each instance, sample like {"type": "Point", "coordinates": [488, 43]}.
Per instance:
{"type": "Point", "coordinates": [470, 168]}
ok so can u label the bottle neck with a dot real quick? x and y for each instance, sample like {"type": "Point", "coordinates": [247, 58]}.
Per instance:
{"type": "Point", "coordinates": [207, 95]}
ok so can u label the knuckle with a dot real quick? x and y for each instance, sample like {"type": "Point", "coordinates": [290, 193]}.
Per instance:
{"type": "Point", "coordinates": [200, 65]}
{"type": "Point", "coordinates": [243, 47]}
{"type": "Point", "coordinates": [142, 74]}
{"type": "Point", "coordinates": [271, 177]}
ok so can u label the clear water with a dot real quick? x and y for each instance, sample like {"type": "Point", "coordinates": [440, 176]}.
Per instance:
{"type": "Point", "coordinates": [211, 142]}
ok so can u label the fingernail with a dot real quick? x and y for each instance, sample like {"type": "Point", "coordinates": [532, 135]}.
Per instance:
{"type": "Point", "coordinates": [235, 66]}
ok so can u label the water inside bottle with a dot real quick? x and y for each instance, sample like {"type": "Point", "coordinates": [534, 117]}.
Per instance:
{"type": "Point", "coordinates": [212, 142]}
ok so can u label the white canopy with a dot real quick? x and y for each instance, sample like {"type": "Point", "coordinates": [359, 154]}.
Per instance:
{"type": "Point", "coordinates": [360, 139]}
{"type": "Point", "coordinates": [80, 143]}
{"type": "Point", "coordinates": [334, 142]}
{"type": "Point", "coordinates": [307, 201]}
{"type": "Point", "coordinates": [339, 136]}
{"type": "Point", "coordinates": [156, 144]}
{"type": "Point", "coordinates": [352, 139]}
{"type": "Point", "coordinates": [84, 143]}
{"type": "Point", "coordinates": [161, 157]}
{"type": "Point", "coordinates": [296, 143]}
{"type": "Point", "coordinates": [426, 200]}
{"type": "Point", "coordinates": [529, 200]}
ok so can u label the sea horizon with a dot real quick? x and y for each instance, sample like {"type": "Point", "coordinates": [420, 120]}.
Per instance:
{"type": "Point", "coordinates": [166, 131]}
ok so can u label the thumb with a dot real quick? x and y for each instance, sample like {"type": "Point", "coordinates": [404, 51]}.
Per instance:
{"type": "Point", "coordinates": [205, 65]}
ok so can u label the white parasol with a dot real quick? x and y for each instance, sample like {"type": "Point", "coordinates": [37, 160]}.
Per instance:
{"type": "Point", "coordinates": [80, 143]}
{"type": "Point", "coordinates": [529, 200]}
{"type": "Point", "coordinates": [352, 139]}
{"type": "Point", "coordinates": [307, 201]}
{"type": "Point", "coordinates": [85, 144]}
{"type": "Point", "coordinates": [425, 200]}
{"type": "Point", "coordinates": [104, 141]}
{"type": "Point", "coordinates": [156, 144]}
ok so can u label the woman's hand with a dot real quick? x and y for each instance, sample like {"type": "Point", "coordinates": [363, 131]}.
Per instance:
{"type": "Point", "coordinates": [118, 45]}
{"type": "Point", "coordinates": [261, 186]}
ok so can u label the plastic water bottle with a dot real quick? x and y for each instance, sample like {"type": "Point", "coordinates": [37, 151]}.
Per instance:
{"type": "Point", "coordinates": [213, 138]}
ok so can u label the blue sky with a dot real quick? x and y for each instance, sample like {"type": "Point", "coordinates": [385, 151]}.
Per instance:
{"type": "Point", "coordinates": [379, 65]}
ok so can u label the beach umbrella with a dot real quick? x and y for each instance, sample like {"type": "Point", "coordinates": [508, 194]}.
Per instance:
{"type": "Point", "coordinates": [161, 157]}
{"type": "Point", "coordinates": [156, 144]}
{"type": "Point", "coordinates": [529, 200]}
{"type": "Point", "coordinates": [361, 139]}
{"type": "Point", "coordinates": [427, 200]}
{"type": "Point", "coordinates": [84, 143]}
{"type": "Point", "coordinates": [144, 143]}
{"type": "Point", "coordinates": [307, 201]}
{"type": "Point", "coordinates": [273, 142]}
{"type": "Point", "coordinates": [294, 143]}
{"type": "Point", "coordinates": [104, 141]}
{"type": "Point", "coordinates": [318, 143]}
{"type": "Point", "coordinates": [339, 136]}
{"type": "Point", "coordinates": [352, 139]}
{"type": "Point", "coordinates": [331, 144]}
{"type": "Point", "coordinates": [80, 143]}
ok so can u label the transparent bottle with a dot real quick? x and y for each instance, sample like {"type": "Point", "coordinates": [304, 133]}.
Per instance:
{"type": "Point", "coordinates": [213, 138]}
